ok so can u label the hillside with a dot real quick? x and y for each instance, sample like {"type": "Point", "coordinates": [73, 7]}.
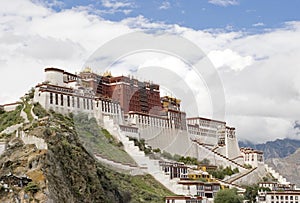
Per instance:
{"type": "Point", "coordinates": [289, 167]}
{"type": "Point", "coordinates": [100, 141]}
{"type": "Point", "coordinates": [66, 171]}
{"type": "Point", "coordinates": [279, 148]}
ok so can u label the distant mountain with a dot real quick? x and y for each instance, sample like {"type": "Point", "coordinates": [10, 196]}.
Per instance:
{"type": "Point", "coordinates": [279, 148]}
{"type": "Point", "coordinates": [289, 167]}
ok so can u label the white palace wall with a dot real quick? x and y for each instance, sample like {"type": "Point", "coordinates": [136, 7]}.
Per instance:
{"type": "Point", "coordinates": [232, 147]}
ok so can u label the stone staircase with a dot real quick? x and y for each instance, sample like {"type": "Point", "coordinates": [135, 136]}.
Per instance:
{"type": "Point", "coordinates": [150, 166]}
{"type": "Point", "coordinates": [231, 185]}
{"type": "Point", "coordinates": [220, 155]}
{"type": "Point", "coordinates": [238, 176]}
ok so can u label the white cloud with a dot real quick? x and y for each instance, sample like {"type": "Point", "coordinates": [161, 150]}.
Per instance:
{"type": "Point", "coordinates": [165, 5]}
{"type": "Point", "coordinates": [224, 2]}
{"type": "Point", "coordinates": [114, 6]}
{"type": "Point", "coordinates": [23, 9]}
{"type": "Point", "coordinates": [229, 58]}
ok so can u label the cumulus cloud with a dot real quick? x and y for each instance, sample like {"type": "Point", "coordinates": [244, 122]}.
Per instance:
{"type": "Point", "coordinates": [230, 59]}
{"type": "Point", "coordinates": [259, 72]}
{"type": "Point", "coordinates": [224, 2]}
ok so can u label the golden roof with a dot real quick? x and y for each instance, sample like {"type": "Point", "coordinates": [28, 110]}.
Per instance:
{"type": "Point", "coordinates": [87, 70]}
{"type": "Point", "coordinates": [107, 74]}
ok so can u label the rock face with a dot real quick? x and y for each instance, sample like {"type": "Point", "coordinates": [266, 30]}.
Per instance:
{"type": "Point", "coordinates": [66, 171]}
{"type": "Point", "coordinates": [21, 166]}
{"type": "Point", "coordinates": [289, 167]}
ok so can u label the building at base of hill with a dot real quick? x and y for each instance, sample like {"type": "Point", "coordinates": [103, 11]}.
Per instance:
{"type": "Point", "coordinates": [185, 199]}
{"type": "Point", "coordinates": [273, 192]}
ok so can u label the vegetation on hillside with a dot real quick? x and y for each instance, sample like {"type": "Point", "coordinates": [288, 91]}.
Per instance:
{"type": "Point", "coordinates": [221, 172]}
{"type": "Point", "coordinates": [99, 140]}
{"type": "Point", "coordinates": [142, 145]}
{"type": "Point", "coordinates": [39, 111]}
{"type": "Point", "coordinates": [186, 160]}
{"type": "Point", "coordinates": [10, 118]}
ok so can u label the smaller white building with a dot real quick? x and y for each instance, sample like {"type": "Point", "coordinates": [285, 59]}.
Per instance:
{"type": "Point", "coordinates": [279, 197]}
{"type": "Point", "coordinates": [252, 156]}
{"type": "Point", "coordinates": [279, 193]}
{"type": "Point", "coordinates": [10, 107]}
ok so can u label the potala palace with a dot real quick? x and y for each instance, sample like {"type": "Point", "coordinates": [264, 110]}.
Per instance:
{"type": "Point", "coordinates": [129, 108]}
{"type": "Point", "coordinates": [137, 109]}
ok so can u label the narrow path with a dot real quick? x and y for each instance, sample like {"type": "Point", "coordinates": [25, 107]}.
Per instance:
{"type": "Point", "coordinates": [35, 117]}
{"type": "Point", "coordinates": [11, 129]}
{"type": "Point", "coordinates": [134, 170]}
{"type": "Point", "coordinates": [241, 175]}
{"type": "Point", "coordinates": [2, 147]}
{"type": "Point", "coordinates": [24, 115]}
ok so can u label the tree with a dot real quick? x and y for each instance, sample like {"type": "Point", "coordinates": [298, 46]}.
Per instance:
{"type": "Point", "coordinates": [228, 196]}
{"type": "Point", "coordinates": [205, 161]}
{"type": "Point", "coordinates": [251, 193]}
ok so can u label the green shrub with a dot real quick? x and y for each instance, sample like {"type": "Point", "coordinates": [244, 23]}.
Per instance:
{"type": "Point", "coordinates": [39, 111]}
{"type": "Point", "coordinates": [32, 187]}
{"type": "Point", "coordinates": [157, 150]}
{"type": "Point", "coordinates": [247, 166]}
{"type": "Point", "coordinates": [221, 172]}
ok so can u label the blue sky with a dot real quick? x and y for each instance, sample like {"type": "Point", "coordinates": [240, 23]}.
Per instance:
{"type": "Point", "coordinates": [254, 45]}
{"type": "Point", "coordinates": [247, 15]}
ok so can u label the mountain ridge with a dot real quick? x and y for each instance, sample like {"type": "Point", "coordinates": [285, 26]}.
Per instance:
{"type": "Point", "coordinates": [278, 148]}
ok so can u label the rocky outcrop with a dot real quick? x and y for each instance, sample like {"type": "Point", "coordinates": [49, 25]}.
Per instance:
{"type": "Point", "coordinates": [21, 173]}
{"type": "Point", "coordinates": [65, 171]}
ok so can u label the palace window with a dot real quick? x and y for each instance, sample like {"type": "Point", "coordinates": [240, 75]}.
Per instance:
{"type": "Point", "coordinates": [68, 100]}
{"type": "Point", "coordinates": [92, 107]}
{"type": "Point", "coordinates": [73, 102]}
{"type": "Point", "coordinates": [56, 99]}
{"type": "Point", "coordinates": [78, 102]}
{"type": "Point", "coordinates": [87, 104]}
{"type": "Point", "coordinates": [83, 103]}
{"type": "Point", "coordinates": [61, 100]}
{"type": "Point", "coordinates": [51, 98]}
